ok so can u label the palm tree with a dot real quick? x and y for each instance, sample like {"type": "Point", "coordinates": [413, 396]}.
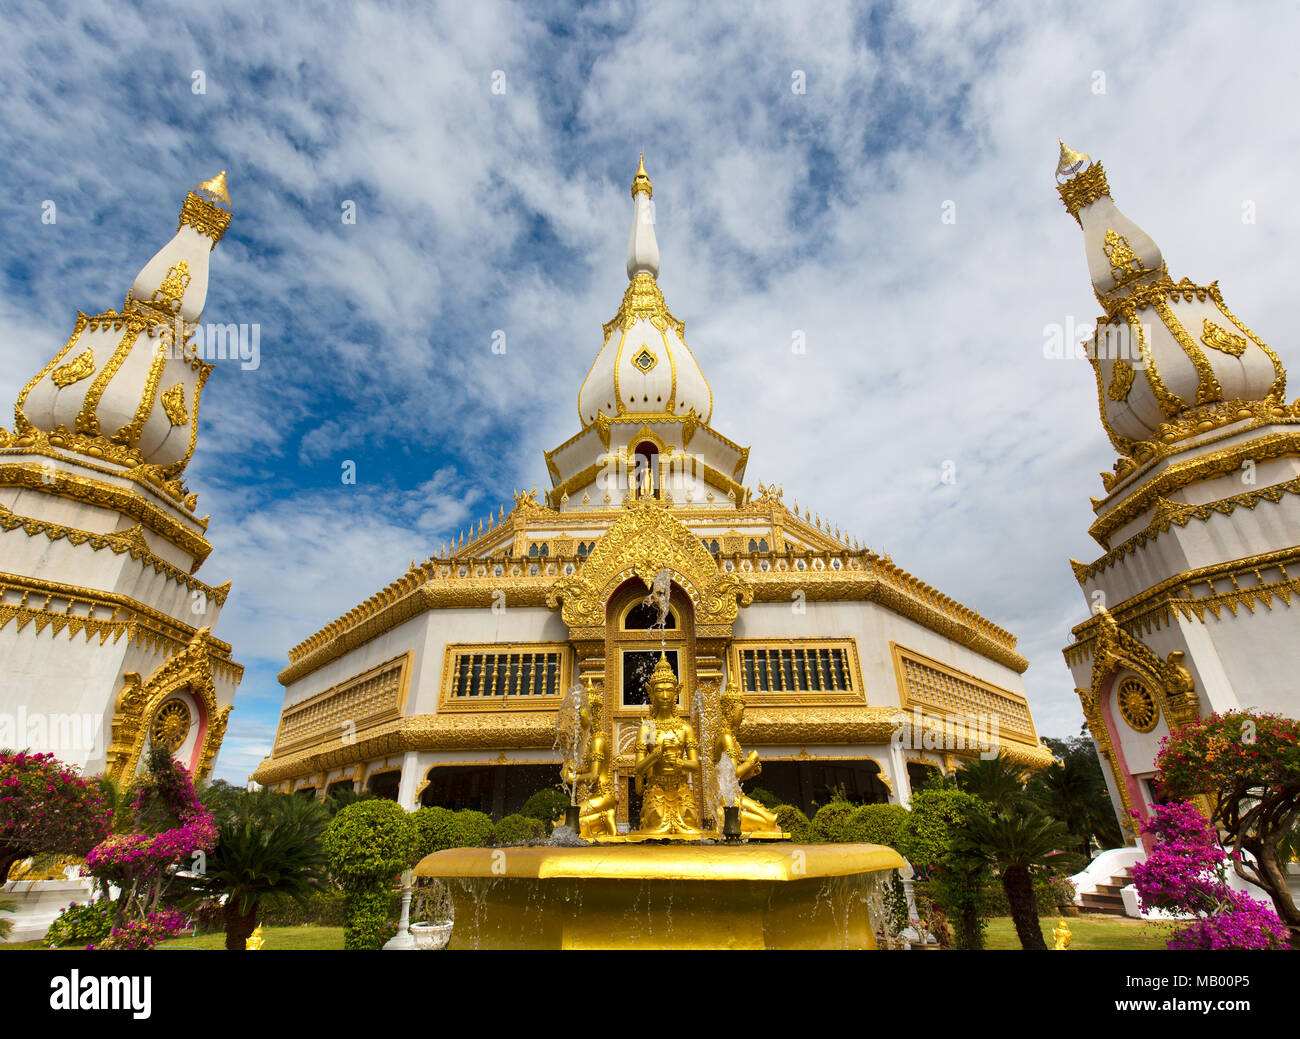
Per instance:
{"type": "Point", "coordinates": [1069, 792]}
{"type": "Point", "coordinates": [995, 781]}
{"type": "Point", "coordinates": [1019, 840]}
{"type": "Point", "coordinates": [269, 849]}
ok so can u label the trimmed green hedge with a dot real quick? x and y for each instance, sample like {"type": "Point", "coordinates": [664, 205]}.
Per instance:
{"type": "Point", "coordinates": [830, 821]}
{"type": "Point", "coordinates": [438, 829]}
{"type": "Point", "coordinates": [547, 805]}
{"type": "Point", "coordinates": [519, 829]}
{"type": "Point", "coordinates": [794, 822]}
{"type": "Point", "coordinates": [875, 824]}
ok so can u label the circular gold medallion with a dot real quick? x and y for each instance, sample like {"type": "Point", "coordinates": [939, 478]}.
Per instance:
{"type": "Point", "coordinates": [1137, 706]}
{"type": "Point", "coordinates": [171, 725]}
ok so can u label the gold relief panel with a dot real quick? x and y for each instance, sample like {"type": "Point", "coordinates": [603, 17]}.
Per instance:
{"type": "Point", "coordinates": [927, 683]}
{"type": "Point", "coordinates": [1137, 706]}
{"type": "Point", "coordinates": [797, 671]}
{"type": "Point", "coordinates": [493, 676]}
{"type": "Point", "coordinates": [360, 703]}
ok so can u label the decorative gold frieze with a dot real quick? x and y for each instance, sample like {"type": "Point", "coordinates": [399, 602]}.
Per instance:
{"type": "Point", "coordinates": [347, 709]}
{"type": "Point", "coordinates": [132, 542]}
{"type": "Point", "coordinates": [927, 683]}
{"type": "Point", "coordinates": [204, 217]}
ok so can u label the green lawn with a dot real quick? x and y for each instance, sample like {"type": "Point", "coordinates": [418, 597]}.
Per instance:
{"type": "Point", "coordinates": [304, 937]}
{"type": "Point", "coordinates": [1086, 932]}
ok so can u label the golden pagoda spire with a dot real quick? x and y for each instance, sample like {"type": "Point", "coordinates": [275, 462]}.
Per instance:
{"type": "Point", "coordinates": [1071, 161]}
{"type": "Point", "coordinates": [641, 182]}
{"type": "Point", "coordinates": [215, 189]}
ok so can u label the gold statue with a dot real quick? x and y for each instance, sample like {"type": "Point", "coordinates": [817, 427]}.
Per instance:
{"type": "Point", "coordinates": [667, 753]}
{"type": "Point", "coordinates": [754, 818]}
{"type": "Point", "coordinates": [1062, 935]}
{"type": "Point", "coordinates": [254, 940]}
{"type": "Point", "coordinates": [596, 813]}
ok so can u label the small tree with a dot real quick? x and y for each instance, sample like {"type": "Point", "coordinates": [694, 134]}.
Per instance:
{"type": "Point", "coordinates": [47, 807]}
{"type": "Point", "coordinates": [269, 851]}
{"type": "Point", "coordinates": [1186, 874]}
{"type": "Point", "coordinates": [368, 843]}
{"type": "Point", "coordinates": [1019, 840]}
{"type": "Point", "coordinates": [1249, 765]}
{"type": "Point", "coordinates": [927, 841]}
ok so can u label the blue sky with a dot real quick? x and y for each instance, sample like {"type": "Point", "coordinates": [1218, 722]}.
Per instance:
{"type": "Point", "coordinates": [777, 211]}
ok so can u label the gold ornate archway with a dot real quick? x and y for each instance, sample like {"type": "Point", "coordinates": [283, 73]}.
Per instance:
{"type": "Point", "coordinates": [189, 671]}
{"type": "Point", "coordinates": [1168, 680]}
{"type": "Point", "coordinates": [643, 541]}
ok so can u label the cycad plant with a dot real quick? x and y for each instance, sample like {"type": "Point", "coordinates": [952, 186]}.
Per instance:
{"type": "Point", "coordinates": [269, 850]}
{"type": "Point", "coordinates": [1020, 840]}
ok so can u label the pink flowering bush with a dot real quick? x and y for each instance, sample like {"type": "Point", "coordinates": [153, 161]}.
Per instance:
{"type": "Point", "coordinates": [1185, 874]}
{"type": "Point", "coordinates": [46, 806]}
{"type": "Point", "coordinates": [156, 927]}
{"type": "Point", "coordinates": [173, 827]}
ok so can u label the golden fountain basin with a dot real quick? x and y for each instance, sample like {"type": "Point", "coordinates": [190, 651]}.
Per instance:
{"type": "Point", "coordinates": [664, 896]}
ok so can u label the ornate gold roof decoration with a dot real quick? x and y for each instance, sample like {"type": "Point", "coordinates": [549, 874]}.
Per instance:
{"type": "Point", "coordinates": [75, 370]}
{"type": "Point", "coordinates": [202, 210]}
{"type": "Point", "coordinates": [641, 182]}
{"type": "Point", "coordinates": [173, 402]}
{"type": "Point", "coordinates": [1083, 189]}
{"type": "Point", "coordinates": [643, 298]}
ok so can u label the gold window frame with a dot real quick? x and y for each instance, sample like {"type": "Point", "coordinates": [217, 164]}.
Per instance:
{"type": "Point", "coordinates": [856, 694]}
{"type": "Point", "coordinates": [901, 654]}
{"type": "Point", "coordinates": [388, 713]}
{"type": "Point", "coordinates": [447, 703]}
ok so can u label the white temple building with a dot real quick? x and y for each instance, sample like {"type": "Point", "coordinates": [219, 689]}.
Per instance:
{"type": "Point", "coordinates": [105, 631]}
{"type": "Point", "coordinates": [443, 687]}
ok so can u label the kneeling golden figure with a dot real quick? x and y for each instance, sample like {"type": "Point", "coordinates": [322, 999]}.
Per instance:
{"type": "Point", "coordinates": [667, 754]}
{"type": "Point", "coordinates": [755, 820]}
{"type": "Point", "coordinates": [596, 813]}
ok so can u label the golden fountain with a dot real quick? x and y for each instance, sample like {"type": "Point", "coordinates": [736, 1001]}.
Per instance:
{"type": "Point", "coordinates": [667, 884]}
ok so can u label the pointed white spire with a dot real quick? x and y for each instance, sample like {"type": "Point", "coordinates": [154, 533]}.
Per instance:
{"type": "Point", "coordinates": [642, 249]}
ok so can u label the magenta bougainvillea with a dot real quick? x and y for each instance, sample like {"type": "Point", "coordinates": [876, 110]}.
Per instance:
{"type": "Point", "coordinates": [1185, 874]}
{"type": "Point", "coordinates": [173, 827]}
{"type": "Point", "coordinates": [46, 806]}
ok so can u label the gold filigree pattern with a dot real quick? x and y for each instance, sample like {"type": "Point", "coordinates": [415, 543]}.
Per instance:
{"type": "Point", "coordinates": [1137, 706]}
{"type": "Point", "coordinates": [173, 402]}
{"type": "Point", "coordinates": [75, 370]}
{"type": "Point", "coordinates": [171, 725]}
{"type": "Point", "coordinates": [1124, 262]}
{"type": "Point", "coordinates": [1208, 388]}
{"type": "Point", "coordinates": [1083, 189]}
{"type": "Point", "coordinates": [204, 217]}
{"type": "Point", "coordinates": [22, 425]}
{"type": "Point", "coordinates": [643, 299]}
{"type": "Point", "coordinates": [168, 296]}
{"type": "Point", "coordinates": [1214, 336]}
{"type": "Point", "coordinates": [1121, 380]}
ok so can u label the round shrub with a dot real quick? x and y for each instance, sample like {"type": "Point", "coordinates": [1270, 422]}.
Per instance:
{"type": "Point", "coordinates": [475, 828]}
{"type": "Point", "coordinates": [519, 829]}
{"type": "Point", "coordinates": [876, 824]}
{"type": "Point", "coordinates": [830, 822]}
{"type": "Point", "coordinates": [82, 924]}
{"type": "Point", "coordinates": [546, 805]}
{"type": "Point", "coordinates": [370, 840]}
{"type": "Point", "coordinates": [436, 829]}
{"type": "Point", "coordinates": [794, 822]}
{"type": "Point", "coordinates": [766, 798]}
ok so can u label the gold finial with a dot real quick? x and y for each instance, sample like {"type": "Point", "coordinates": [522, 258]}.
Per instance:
{"type": "Point", "coordinates": [1071, 161]}
{"type": "Point", "coordinates": [215, 189]}
{"type": "Point", "coordinates": [641, 182]}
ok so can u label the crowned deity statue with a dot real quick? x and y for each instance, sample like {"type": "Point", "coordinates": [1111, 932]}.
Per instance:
{"type": "Point", "coordinates": [754, 818]}
{"type": "Point", "coordinates": [595, 771]}
{"type": "Point", "coordinates": [667, 754]}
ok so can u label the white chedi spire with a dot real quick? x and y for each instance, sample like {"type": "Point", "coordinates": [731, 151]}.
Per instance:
{"type": "Point", "coordinates": [642, 249]}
